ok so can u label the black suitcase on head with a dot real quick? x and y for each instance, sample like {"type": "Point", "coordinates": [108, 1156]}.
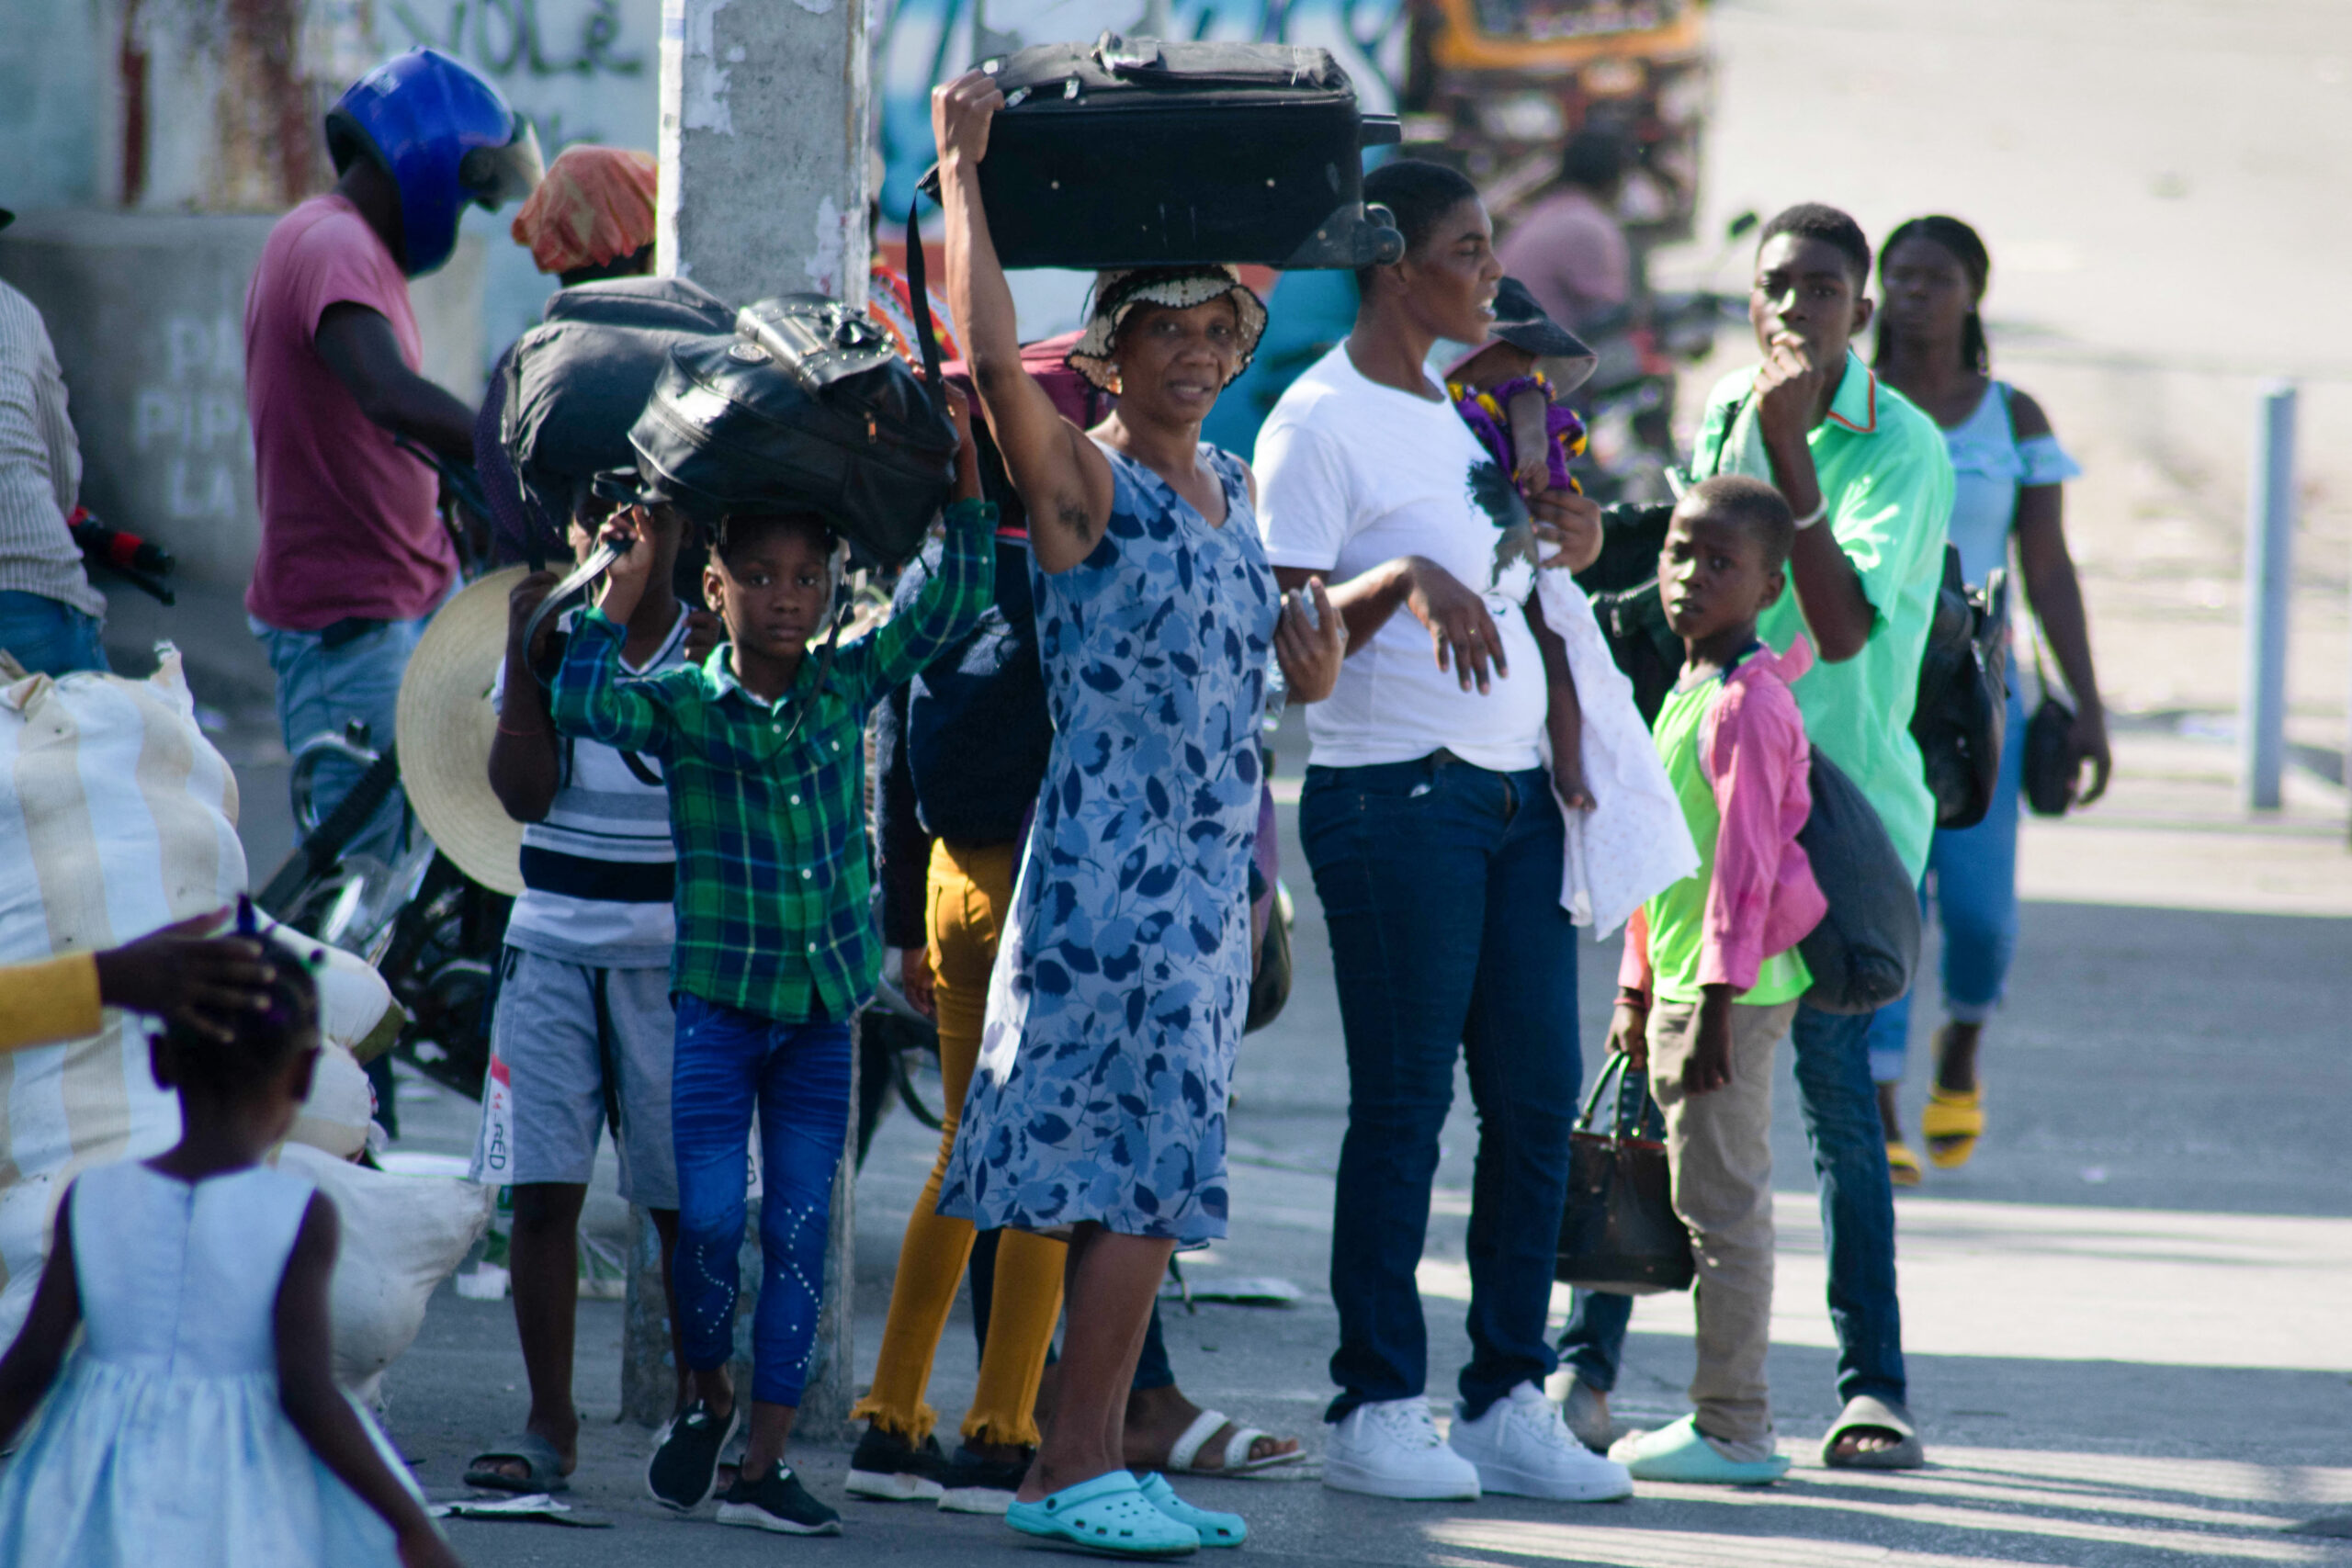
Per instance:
{"type": "Point", "coordinates": [1146, 153]}
{"type": "Point", "coordinates": [805, 408]}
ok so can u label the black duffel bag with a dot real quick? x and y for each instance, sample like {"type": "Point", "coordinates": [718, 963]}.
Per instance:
{"type": "Point", "coordinates": [1620, 1233]}
{"type": "Point", "coordinates": [1963, 706]}
{"type": "Point", "coordinates": [805, 408]}
{"type": "Point", "coordinates": [1862, 953]}
{"type": "Point", "coordinates": [1151, 152]}
{"type": "Point", "coordinates": [576, 382]}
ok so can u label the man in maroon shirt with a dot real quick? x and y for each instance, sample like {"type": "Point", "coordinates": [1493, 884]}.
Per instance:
{"type": "Point", "coordinates": [353, 556]}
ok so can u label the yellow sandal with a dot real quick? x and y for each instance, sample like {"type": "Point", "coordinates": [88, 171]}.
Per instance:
{"type": "Point", "coordinates": [1902, 1165]}
{"type": "Point", "coordinates": [1952, 1122]}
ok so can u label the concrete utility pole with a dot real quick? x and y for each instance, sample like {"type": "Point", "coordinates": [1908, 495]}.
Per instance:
{"type": "Point", "coordinates": [765, 117]}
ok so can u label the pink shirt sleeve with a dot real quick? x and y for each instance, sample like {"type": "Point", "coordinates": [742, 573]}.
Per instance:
{"type": "Point", "coordinates": [337, 261]}
{"type": "Point", "coordinates": [1757, 758]}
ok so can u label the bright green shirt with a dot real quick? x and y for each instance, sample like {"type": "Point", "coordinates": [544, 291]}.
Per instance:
{"type": "Point", "coordinates": [1887, 479]}
{"type": "Point", "coordinates": [1676, 918]}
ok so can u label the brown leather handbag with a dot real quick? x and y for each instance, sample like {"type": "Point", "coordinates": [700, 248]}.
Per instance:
{"type": "Point", "coordinates": [1620, 1233]}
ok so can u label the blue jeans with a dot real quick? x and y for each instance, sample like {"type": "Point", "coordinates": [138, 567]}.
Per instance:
{"type": "Point", "coordinates": [1440, 885]}
{"type": "Point", "coordinates": [797, 1075]}
{"type": "Point", "coordinates": [322, 689]}
{"type": "Point", "coordinates": [48, 635]}
{"type": "Point", "coordinates": [1840, 1107]}
{"type": "Point", "coordinates": [1971, 887]}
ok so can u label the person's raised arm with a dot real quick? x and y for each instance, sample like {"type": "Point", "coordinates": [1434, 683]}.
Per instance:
{"type": "Point", "coordinates": [953, 598]}
{"type": "Point", "coordinates": [31, 1366]}
{"type": "Point", "coordinates": [1065, 483]}
{"type": "Point", "coordinates": [358, 344]}
{"type": "Point", "coordinates": [589, 697]}
{"type": "Point", "coordinates": [317, 1409]}
{"type": "Point", "coordinates": [2056, 597]}
{"type": "Point", "coordinates": [1790, 393]}
{"type": "Point", "coordinates": [525, 763]}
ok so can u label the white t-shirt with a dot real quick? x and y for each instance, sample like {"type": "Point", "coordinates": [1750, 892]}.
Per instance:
{"type": "Point", "coordinates": [1352, 474]}
{"type": "Point", "coordinates": [599, 871]}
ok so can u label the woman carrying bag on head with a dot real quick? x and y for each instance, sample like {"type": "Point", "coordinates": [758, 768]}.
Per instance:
{"type": "Point", "coordinates": [1124, 965]}
{"type": "Point", "coordinates": [2007, 468]}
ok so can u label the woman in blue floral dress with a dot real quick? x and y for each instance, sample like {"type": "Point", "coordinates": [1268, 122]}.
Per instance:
{"type": "Point", "coordinates": [1098, 1108]}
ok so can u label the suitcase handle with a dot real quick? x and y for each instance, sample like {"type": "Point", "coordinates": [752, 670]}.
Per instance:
{"type": "Point", "coordinates": [1380, 130]}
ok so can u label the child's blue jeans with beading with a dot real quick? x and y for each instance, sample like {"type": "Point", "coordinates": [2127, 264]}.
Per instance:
{"type": "Point", "coordinates": [797, 1075]}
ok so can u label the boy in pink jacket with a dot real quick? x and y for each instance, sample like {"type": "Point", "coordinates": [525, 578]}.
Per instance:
{"type": "Point", "coordinates": [1711, 975]}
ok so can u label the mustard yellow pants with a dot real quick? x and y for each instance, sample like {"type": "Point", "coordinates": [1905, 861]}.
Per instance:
{"type": "Point", "coordinates": [970, 890]}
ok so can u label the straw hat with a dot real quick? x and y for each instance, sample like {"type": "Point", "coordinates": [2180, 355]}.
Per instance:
{"type": "Point", "coordinates": [445, 724]}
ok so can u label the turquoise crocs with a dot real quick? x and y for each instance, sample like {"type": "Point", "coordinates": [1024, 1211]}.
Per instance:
{"type": "Point", "coordinates": [1107, 1515]}
{"type": "Point", "coordinates": [1682, 1452]}
{"type": "Point", "coordinates": [1214, 1528]}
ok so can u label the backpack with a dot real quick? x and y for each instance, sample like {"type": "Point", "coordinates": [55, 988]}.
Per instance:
{"type": "Point", "coordinates": [807, 408]}
{"type": "Point", "coordinates": [1961, 710]}
{"type": "Point", "coordinates": [1862, 953]}
{"type": "Point", "coordinates": [575, 383]}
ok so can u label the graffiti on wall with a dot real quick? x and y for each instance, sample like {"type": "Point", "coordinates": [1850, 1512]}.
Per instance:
{"type": "Point", "coordinates": [189, 427]}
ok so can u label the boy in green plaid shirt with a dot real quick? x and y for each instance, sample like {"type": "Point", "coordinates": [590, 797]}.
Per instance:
{"type": "Point", "coordinates": [763, 749]}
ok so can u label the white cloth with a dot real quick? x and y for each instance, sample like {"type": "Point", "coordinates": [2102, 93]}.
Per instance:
{"type": "Point", "coordinates": [1633, 843]}
{"type": "Point", "coordinates": [1352, 474]}
{"type": "Point", "coordinates": [117, 816]}
{"type": "Point", "coordinates": [164, 1443]}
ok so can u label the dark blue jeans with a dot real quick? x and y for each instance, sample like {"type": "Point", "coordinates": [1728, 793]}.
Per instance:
{"type": "Point", "coordinates": [1440, 884]}
{"type": "Point", "coordinates": [797, 1075]}
{"type": "Point", "coordinates": [48, 635]}
{"type": "Point", "coordinates": [1840, 1107]}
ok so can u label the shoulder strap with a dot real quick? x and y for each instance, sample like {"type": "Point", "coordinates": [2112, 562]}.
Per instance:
{"type": "Point", "coordinates": [919, 306]}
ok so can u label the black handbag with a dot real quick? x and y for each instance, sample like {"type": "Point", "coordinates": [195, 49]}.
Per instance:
{"type": "Point", "coordinates": [1963, 703]}
{"type": "Point", "coordinates": [807, 408]}
{"type": "Point", "coordinates": [1620, 1233]}
{"type": "Point", "coordinates": [1862, 953]}
{"type": "Point", "coordinates": [1151, 152]}
{"type": "Point", "coordinates": [2053, 769]}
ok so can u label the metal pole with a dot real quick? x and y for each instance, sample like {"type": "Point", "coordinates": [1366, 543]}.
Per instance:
{"type": "Point", "coordinates": [2269, 568]}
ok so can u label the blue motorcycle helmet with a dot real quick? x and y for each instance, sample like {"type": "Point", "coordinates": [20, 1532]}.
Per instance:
{"type": "Point", "coordinates": [445, 136]}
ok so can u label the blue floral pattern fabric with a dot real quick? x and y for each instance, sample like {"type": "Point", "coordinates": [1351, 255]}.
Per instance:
{"type": "Point", "coordinates": [1123, 977]}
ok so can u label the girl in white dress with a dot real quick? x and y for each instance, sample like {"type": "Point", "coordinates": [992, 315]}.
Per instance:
{"type": "Point", "coordinates": [199, 1423]}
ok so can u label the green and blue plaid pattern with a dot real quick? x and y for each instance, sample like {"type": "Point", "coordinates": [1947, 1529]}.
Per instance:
{"type": "Point", "coordinates": [773, 884]}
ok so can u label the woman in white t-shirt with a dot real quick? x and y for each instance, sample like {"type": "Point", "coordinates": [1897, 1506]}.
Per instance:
{"type": "Point", "coordinates": [1436, 843]}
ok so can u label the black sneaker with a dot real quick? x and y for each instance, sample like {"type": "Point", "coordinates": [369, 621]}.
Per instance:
{"type": "Point", "coordinates": [777, 1501]}
{"type": "Point", "coordinates": [977, 1486]}
{"type": "Point", "coordinates": [889, 1468]}
{"type": "Point", "coordinates": [683, 1470]}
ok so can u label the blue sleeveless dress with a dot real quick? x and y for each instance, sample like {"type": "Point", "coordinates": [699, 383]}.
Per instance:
{"type": "Point", "coordinates": [1122, 976]}
{"type": "Point", "coordinates": [164, 1444]}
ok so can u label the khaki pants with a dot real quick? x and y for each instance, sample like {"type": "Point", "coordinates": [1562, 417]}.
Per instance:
{"type": "Point", "coordinates": [1720, 1148]}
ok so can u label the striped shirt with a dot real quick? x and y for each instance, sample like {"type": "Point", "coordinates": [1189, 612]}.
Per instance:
{"type": "Point", "coordinates": [599, 869]}
{"type": "Point", "coordinates": [768, 807]}
{"type": "Point", "coordinates": [41, 465]}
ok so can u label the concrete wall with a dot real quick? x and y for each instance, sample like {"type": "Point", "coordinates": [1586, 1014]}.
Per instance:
{"type": "Point", "coordinates": [147, 311]}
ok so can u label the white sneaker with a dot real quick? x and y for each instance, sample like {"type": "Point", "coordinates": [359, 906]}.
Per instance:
{"type": "Point", "coordinates": [1521, 1446]}
{"type": "Point", "coordinates": [1392, 1450]}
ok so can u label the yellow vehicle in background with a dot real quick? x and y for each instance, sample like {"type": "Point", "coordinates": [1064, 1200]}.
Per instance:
{"type": "Point", "coordinates": [1497, 86]}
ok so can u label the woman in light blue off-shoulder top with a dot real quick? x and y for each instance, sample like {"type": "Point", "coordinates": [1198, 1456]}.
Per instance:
{"type": "Point", "coordinates": [2007, 467]}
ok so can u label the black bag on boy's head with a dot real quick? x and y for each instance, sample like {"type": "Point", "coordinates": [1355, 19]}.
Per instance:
{"type": "Point", "coordinates": [1865, 950]}
{"type": "Point", "coordinates": [1962, 709]}
{"type": "Point", "coordinates": [1620, 1233]}
{"type": "Point", "coordinates": [807, 408]}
